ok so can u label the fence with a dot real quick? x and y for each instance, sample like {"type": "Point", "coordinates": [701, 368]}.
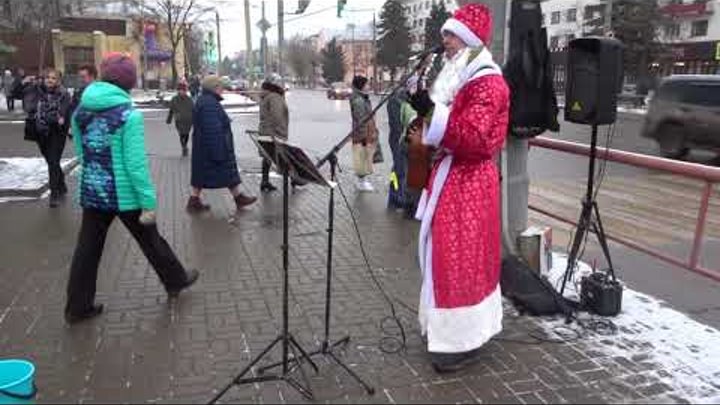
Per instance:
{"type": "Point", "coordinates": [709, 175]}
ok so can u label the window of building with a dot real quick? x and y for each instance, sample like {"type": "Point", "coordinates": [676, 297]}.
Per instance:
{"type": "Point", "coordinates": [572, 15]}
{"type": "Point", "coordinates": [700, 28]}
{"type": "Point", "coordinates": [672, 31]}
{"type": "Point", "coordinates": [543, 19]}
{"type": "Point", "coordinates": [76, 56]}
{"type": "Point", "coordinates": [554, 42]}
{"type": "Point", "coordinates": [555, 18]}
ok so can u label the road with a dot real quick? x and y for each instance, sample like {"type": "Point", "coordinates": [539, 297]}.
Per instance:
{"type": "Point", "coordinates": [646, 207]}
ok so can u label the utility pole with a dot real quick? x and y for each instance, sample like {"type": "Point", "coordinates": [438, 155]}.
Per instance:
{"type": "Point", "coordinates": [264, 26]}
{"type": "Point", "coordinates": [374, 56]}
{"type": "Point", "coordinates": [281, 35]}
{"type": "Point", "coordinates": [248, 38]}
{"type": "Point", "coordinates": [219, 49]}
{"type": "Point", "coordinates": [143, 76]}
{"type": "Point", "coordinates": [352, 47]}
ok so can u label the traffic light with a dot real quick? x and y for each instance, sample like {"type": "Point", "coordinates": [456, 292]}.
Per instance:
{"type": "Point", "coordinates": [302, 5]}
{"type": "Point", "coordinates": [340, 6]}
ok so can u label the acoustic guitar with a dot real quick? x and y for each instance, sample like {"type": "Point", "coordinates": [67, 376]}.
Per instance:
{"type": "Point", "coordinates": [419, 158]}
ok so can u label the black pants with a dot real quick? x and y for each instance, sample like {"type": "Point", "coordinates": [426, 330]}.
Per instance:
{"type": "Point", "coordinates": [184, 137]}
{"type": "Point", "coordinates": [52, 146]}
{"type": "Point", "coordinates": [91, 241]}
{"type": "Point", "coordinates": [266, 171]}
{"type": "Point", "coordinates": [10, 103]}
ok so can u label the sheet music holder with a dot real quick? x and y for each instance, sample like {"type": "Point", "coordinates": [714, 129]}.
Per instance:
{"type": "Point", "coordinates": [279, 152]}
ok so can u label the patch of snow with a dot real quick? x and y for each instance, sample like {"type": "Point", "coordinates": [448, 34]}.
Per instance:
{"type": "Point", "coordinates": [685, 352]}
{"type": "Point", "coordinates": [25, 173]}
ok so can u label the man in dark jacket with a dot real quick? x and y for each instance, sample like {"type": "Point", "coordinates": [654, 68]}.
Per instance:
{"type": "Point", "coordinates": [213, 159]}
{"type": "Point", "coordinates": [181, 109]}
{"type": "Point", "coordinates": [87, 75]}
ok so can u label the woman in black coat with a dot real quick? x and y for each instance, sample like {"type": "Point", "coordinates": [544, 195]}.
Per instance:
{"type": "Point", "coordinates": [213, 152]}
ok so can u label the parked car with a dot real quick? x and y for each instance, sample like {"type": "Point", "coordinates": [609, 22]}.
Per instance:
{"type": "Point", "coordinates": [339, 91]}
{"type": "Point", "coordinates": [684, 114]}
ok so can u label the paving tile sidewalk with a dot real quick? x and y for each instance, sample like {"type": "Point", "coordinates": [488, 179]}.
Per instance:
{"type": "Point", "coordinates": [146, 349]}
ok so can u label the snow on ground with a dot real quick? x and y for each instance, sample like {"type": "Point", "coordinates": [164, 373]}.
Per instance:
{"type": "Point", "coordinates": [25, 173]}
{"type": "Point", "coordinates": [686, 352]}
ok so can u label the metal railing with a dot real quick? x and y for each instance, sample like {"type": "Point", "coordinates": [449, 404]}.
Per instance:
{"type": "Point", "coordinates": [707, 174]}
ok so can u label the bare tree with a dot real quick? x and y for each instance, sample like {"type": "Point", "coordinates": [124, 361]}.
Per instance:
{"type": "Point", "coordinates": [40, 17]}
{"type": "Point", "coordinates": [175, 16]}
{"type": "Point", "coordinates": [303, 59]}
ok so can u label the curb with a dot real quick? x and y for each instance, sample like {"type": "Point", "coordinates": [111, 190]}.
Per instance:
{"type": "Point", "coordinates": [37, 192]}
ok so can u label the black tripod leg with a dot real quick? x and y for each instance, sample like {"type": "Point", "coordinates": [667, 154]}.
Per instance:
{"type": "Point", "coordinates": [582, 228]}
{"type": "Point", "coordinates": [247, 369]}
{"type": "Point", "coordinates": [304, 354]}
{"type": "Point", "coordinates": [342, 342]}
{"type": "Point", "coordinates": [370, 390]}
{"type": "Point", "coordinates": [301, 389]}
{"type": "Point", "coordinates": [294, 349]}
{"type": "Point", "coordinates": [602, 238]}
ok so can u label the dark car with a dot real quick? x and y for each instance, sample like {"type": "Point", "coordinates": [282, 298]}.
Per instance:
{"type": "Point", "coordinates": [684, 114]}
{"type": "Point", "coordinates": [339, 91]}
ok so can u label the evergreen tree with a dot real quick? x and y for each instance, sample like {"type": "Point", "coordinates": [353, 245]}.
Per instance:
{"type": "Point", "coordinates": [438, 16]}
{"type": "Point", "coordinates": [636, 24]}
{"type": "Point", "coordinates": [394, 43]}
{"type": "Point", "coordinates": [433, 36]}
{"type": "Point", "coordinates": [333, 62]}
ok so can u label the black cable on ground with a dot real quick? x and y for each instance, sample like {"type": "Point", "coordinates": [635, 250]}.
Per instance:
{"type": "Point", "coordinates": [392, 341]}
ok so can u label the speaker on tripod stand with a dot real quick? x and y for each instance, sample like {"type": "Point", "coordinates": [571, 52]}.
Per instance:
{"type": "Point", "coordinates": [594, 79]}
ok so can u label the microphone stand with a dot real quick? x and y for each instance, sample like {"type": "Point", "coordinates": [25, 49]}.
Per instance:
{"type": "Point", "coordinates": [326, 346]}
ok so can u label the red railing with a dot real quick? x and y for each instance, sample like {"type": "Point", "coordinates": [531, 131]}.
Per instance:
{"type": "Point", "coordinates": [709, 175]}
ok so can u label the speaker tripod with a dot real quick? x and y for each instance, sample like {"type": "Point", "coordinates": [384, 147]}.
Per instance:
{"type": "Point", "coordinates": [589, 219]}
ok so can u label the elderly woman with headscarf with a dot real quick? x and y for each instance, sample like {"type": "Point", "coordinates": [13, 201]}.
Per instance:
{"type": "Point", "coordinates": [365, 136]}
{"type": "Point", "coordinates": [214, 164]}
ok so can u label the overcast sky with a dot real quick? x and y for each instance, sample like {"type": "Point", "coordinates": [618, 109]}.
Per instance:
{"type": "Point", "coordinates": [321, 14]}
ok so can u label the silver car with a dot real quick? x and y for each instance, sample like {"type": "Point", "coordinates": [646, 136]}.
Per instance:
{"type": "Point", "coordinates": [684, 114]}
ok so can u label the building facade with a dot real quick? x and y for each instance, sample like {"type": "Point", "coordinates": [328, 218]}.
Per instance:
{"type": "Point", "coordinates": [418, 12]}
{"type": "Point", "coordinates": [690, 30]}
{"type": "Point", "coordinates": [359, 58]}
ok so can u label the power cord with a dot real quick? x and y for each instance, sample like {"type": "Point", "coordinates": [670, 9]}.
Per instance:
{"type": "Point", "coordinates": [394, 339]}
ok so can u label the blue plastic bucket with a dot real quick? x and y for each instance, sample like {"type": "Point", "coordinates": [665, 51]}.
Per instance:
{"type": "Point", "coordinates": [17, 382]}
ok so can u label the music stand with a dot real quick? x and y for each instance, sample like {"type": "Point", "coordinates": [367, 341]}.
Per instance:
{"type": "Point", "coordinates": [289, 159]}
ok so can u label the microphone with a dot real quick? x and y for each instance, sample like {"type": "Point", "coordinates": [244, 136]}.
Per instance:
{"type": "Point", "coordinates": [437, 50]}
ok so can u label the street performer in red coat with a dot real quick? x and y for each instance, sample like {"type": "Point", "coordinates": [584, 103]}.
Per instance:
{"type": "Point", "coordinates": [466, 115]}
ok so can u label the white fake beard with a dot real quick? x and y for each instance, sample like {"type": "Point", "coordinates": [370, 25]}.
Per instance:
{"type": "Point", "coordinates": [449, 80]}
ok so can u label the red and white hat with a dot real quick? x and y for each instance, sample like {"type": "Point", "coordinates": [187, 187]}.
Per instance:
{"type": "Point", "coordinates": [472, 23]}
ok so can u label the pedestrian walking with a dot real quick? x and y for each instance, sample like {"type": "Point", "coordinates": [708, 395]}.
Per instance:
{"type": "Point", "coordinates": [115, 182]}
{"type": "Point", "coordinates": [181, 110]}
{"type": "Point", "coordinates": [46, 103]}
{"type": "Point", "coordinates": [194, 86]}
{"type": "Point", "coordinates": [87, 75]}
{"type": "Point", "coordinates": [17, 87]}
{"type": "Point", "coordinates": [364, 136]}
{"type": "Point", "coordinates": [214, 164]}
{"type": "Point", "coordinates": [7, 86]}
{"type": "Point", "coordinates": [459, 245]}
{"type": "Point", "coordinates": [274, 121]}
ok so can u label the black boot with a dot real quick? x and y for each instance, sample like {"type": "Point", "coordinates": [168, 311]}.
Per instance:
{"type": "Point", "coordinates": [192, 277]}
{"type": "Point", "coordinates": [89, 314]}
{"type": "Point", "coordinates": [55, 200]}
{"type": "Point", "coordinates": [453, 362]}
{"type": "Point", "coordinates": [267, 188]}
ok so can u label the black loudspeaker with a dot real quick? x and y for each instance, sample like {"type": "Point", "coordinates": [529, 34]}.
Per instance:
{"type": "Point", "coordinates": [593, 80]}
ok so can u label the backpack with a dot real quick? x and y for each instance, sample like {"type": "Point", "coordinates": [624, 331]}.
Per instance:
{"type": "Point", "coordinates": [531, 293]}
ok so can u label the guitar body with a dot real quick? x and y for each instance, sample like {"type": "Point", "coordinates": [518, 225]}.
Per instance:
{"type": "Point", "coordinates": [419, 159]}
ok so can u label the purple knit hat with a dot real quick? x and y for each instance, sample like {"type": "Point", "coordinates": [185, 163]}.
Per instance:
{"type": "Point", "coordinates": [120, 70]}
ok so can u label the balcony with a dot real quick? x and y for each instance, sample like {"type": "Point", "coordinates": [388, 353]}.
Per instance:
{"type": "Point", "coordinates": [687, 10]}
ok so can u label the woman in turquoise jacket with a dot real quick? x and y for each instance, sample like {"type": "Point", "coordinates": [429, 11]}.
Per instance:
{"type": "Point", "coordinates": [115, 181]}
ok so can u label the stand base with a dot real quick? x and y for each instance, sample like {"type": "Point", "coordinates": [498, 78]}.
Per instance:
{"type": "Point", "coordinates": [298, 353]}
{"type": "Point", "coordinates": [327, 350]}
